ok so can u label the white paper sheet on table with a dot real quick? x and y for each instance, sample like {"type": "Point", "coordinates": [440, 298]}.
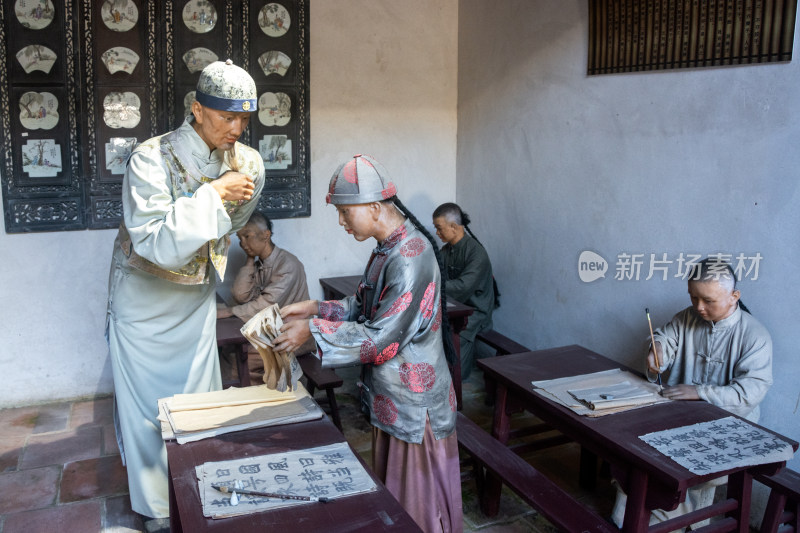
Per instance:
{"type": "Point", "coordinates": [719, 445]}
{"type": "Point", "coordinates": [640, 392]}
{"type": "Point", "coordinates": [332, 471]}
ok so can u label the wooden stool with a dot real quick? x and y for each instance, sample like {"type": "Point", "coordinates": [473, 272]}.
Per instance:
{"type": "Point", "coordinates": [323, 379]}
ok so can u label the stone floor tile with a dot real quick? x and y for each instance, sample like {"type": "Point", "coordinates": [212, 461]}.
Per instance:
{"type": "Point", "coordinates": [98, 412]}
{"type": "Point", "coordinates": [52, 417]}
{"type": "Point", "coordinates": [10, 452]}
{"type": "Point", "coordinates": [119, 517]}
{"type": "Point", "coordinates": [76, 518]}
{"type": "Point", "coordinates": [62, 447]}
{"type": "Point", "coordinates": [29, 489]}
{"type": "Point", "coordinates": [93, 478]}
{"type": "Point", "coordinates": [110, 446]}
{"type": "Point", "coordinates": [18, 421]}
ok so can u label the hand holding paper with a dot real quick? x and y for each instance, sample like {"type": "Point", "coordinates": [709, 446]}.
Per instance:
{"type": "Point", "coordinates": [261, 331]}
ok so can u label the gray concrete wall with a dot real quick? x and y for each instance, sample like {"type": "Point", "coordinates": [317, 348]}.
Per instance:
{"type": "Point", "coordinates": [383, 82]}
{"type": "Point", "coordinates": [552, 163]}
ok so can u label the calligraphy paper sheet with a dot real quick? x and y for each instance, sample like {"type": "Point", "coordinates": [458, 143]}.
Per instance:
{"type": "Point", "coordinates": [331, 471]}
{"type": "Point", "coordinates": [719, 445]}
{"type": "Point", "coordinates": [582, 394]}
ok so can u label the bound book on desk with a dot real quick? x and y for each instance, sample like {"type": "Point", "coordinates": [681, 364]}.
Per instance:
{"type": "Point", "coordinates": [601, 393]}
{"type": "Point", "coordinates": [191, 417]}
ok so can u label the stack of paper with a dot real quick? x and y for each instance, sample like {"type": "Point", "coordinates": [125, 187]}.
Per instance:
{"type": "Point", "coordinates": [601, 393]}
{"type": "Point", "coordinates": [331, 471]}
{"type": "Point", "coordinates": [281, 369]}
{"type": "Point", "coordinates": [191, 417]}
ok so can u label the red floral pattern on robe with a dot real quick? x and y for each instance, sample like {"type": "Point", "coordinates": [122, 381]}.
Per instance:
{"type": "Point", "coordinates": [452, 398]}
{"type": "Point", "coordinates": [399, 305]}
{"type": "Point", "coordinates": [385, 409]}
{"type": "Point", "coordinates": [387, 353]}
{"type": "Point", "coordinates": [426, 305]}
{"type": "Point", "coordinates": [418, 377]}
{"type": "Point", "coordinates": [412, 247]}
{"type": "Point", "coordinates": [326, 326]}
{"type": "Point", "coordinates": [331, 310]}
{"type": "Point", "coordinates": [368, 351]}
{"type": "Point", "coordinates": [437, 320]}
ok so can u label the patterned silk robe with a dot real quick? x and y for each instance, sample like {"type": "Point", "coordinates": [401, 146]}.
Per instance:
{"type": "Point", "coordinates": [392, 326]}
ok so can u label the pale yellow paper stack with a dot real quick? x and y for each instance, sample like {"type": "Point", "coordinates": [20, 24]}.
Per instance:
{"type": "Point", "coordinates": [190, 417]}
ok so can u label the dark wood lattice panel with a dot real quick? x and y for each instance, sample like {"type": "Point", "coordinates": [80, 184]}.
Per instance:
{"type": "Point", "coordinates": [83, 81]}
{"type": "Point", "coordinates": [641, 35]}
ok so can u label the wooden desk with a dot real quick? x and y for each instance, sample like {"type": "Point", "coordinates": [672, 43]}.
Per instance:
{"type": "Point", "coordinates": [651, 479]}
{"type": "Point", "coordinates": [457, 315]}
{"type": "Point", "coordinates": [229, 334]}
{"type": "Point", "coordinates": [372, 511]}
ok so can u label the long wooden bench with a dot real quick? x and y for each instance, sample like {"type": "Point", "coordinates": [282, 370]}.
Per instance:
{"type": "Point", "coordinates": [323, 379]}
{"type": "Point", "coordinates": [783, 507]}
{"type": "Point", "coordinates": [555, 504]}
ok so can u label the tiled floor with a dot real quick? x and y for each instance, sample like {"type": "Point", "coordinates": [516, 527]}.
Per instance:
{"type": "Point", "coordinates": [60, 469]}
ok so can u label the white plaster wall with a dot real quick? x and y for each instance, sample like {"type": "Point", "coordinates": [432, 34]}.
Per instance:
{"type": "Point", "coordinates": [383, 82]}
{"type": "Point", "coordinates": [552, 162]}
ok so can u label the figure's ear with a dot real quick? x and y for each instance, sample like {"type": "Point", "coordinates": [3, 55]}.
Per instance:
{"type": "Point", "coordinates": [736, 294]}
{"type": "Point", "coordinates": [197, 111]}
{"type": "Point", "coordinates": [375, 209]}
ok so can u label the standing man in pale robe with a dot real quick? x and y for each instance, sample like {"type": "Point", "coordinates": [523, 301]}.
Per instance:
{"type": "Point", "coordinates": [183, 194]}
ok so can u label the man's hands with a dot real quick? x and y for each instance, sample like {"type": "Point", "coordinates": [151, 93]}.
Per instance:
{"type": "Point", "coordinates": [681, 392]}
{"type": "Point", "coordinates": [651, 361]}
{"type": "Point", "coordinates": [234, 186]}
{"type": "Point", "coordinates": [295, 331]}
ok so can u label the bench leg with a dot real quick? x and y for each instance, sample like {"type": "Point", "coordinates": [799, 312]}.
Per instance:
{"type": "Point", "coordinates": [772, 515]}
{"type": "Point", "coordinates": [242, 367]}
{"type": "Point", "coordinates": [490, 498]}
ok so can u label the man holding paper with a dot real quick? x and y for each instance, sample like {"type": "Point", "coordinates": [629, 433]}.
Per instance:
{"type": "Point", "coordinates": [714, 351]}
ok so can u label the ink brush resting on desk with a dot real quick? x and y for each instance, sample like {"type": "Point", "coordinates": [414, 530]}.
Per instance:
{"type": "Point", "coordinates": [655, 351]}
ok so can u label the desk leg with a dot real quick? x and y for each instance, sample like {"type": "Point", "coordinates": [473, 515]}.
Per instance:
{"type": "Point", "coordinates": [740, 487]}
{"type": "Point", "coordinates": [242, 367]}
{"type": "Point", "coordinates": [455, 372]}
{"type": "Point", "coordinates": [490, 499]}
{"type": "Point", "coordinates": [637, 517]}
{"type": "Point", "coordinates": [175, 525]}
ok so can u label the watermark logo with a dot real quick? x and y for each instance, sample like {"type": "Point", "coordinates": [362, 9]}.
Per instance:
{"type": "Point", "coordinates": [646, 266]}
{"type": "Point", "coordinates": [591, 266]}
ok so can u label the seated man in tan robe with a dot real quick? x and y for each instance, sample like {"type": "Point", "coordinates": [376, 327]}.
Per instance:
{"type": "Point", "coordinates": [271, 275]}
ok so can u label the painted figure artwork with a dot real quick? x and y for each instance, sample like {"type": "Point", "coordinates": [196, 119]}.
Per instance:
{"type": "Point", "coordinates": [120, 59]}
{"type": "Point", "coordinates": [274, 109]}
{"type": "Point", "coordinates": [118, 149]}
{"type": "Point", "coordinates": [274, 20]}
{"type": "Point", "coordinates": [200, 16]}
{"type": "Point", "coordinates": [119, 15]}
{"type": "Point", "coordinates": [36, 57]}
{"type": "Point", "coordinates": [187, 103]}
{"type": "Point", "coordinates": [38, 110]}
{"type": "Point", "coordinates": [274, 62]}
{"type": "Point", "coordinates": [719, 445]}
{"type": "Point", "coordinates": [330, 472]}
{"type": "Point", "coordinates": [197, 59]}
{"type": "Point", "coordinates": [34, 14]}
{"type": "Point", "coordinates": [41, 158]}
{"type": "Point", "coordinates": [276, 151]}
{"type": "Point", "coordinates": [121, 110]}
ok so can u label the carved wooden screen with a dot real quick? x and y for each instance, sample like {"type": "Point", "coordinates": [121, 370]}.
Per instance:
{"type": "Point", "coordinates": [639, 35]}
{"type": "Point", "coordinates": [83, 81]}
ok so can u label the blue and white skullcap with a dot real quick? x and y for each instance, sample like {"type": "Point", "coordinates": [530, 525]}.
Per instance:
{"type": "Point", "coordinates": [226, 87]}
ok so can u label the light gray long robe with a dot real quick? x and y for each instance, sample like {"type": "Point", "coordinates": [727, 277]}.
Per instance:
{"type": "Point", "coordinates": [161, 334]}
